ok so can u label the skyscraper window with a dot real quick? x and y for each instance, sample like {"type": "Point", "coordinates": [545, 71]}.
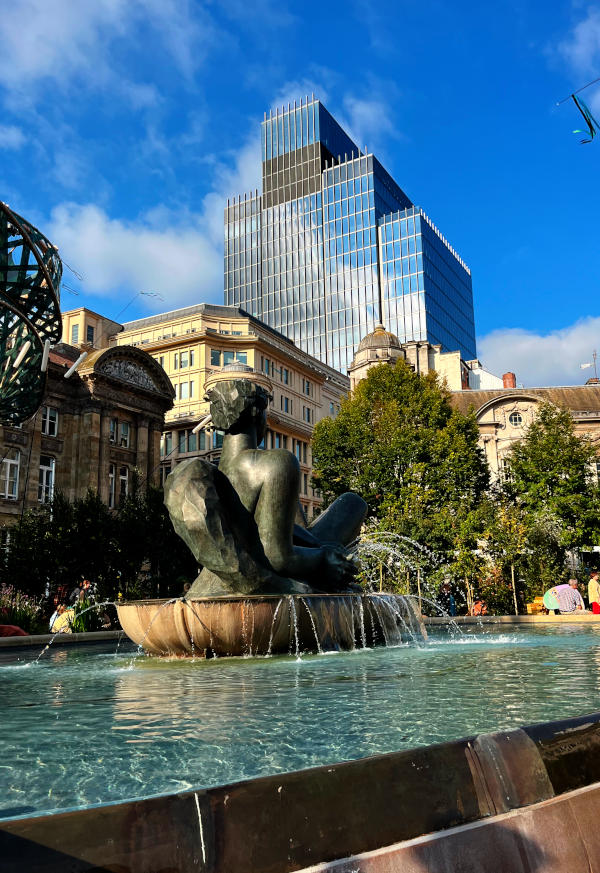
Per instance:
{"type": "Point", "coordinates": [332, 245]}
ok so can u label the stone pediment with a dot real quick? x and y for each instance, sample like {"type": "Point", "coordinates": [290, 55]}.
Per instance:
{"type": "Point", "coordinates": [128, 371]}
{"type": "Point", "coordinates": [131, 367]}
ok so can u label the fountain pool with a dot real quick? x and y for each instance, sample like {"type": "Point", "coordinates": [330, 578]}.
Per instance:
{"type": "Point", "coordinates": [89, 725]}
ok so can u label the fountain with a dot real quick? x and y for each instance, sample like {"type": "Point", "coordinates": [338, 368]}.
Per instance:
{"type": "Point", "coordinates": [270, 583]}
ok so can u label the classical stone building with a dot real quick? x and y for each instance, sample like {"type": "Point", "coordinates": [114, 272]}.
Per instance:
{"type": "Point", "coordinates": [93, 431]}
{"type": "Point", "coordinates": [191, 344]}
{"type": "Point", "coordinates": [504, 414]}
{"type": "Point", "coordinates": [383, 347]}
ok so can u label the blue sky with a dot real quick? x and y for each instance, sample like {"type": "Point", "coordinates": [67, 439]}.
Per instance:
{"type": "Point", "coordinates": [126, 123]}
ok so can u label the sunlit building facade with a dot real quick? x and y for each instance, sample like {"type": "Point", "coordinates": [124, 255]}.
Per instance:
{"type": "Point", "coordinates": [332, 246]}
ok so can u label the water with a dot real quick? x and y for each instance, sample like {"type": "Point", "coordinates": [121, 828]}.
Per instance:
{"type": "Point", "coordinates": [90, 725]}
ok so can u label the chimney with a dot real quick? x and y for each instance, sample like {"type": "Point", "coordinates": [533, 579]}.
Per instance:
{"type": "Point", "coordinates": [509, 380]}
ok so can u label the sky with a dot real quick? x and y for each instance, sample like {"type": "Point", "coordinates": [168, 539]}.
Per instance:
{"type": "Point", "coordinates": [126, 124]}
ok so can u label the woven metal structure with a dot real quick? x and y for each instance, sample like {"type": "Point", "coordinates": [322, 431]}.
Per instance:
{"type": "Point", "coordinates": [30, 273]}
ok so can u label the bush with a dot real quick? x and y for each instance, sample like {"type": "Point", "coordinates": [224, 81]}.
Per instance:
{"type": "Point", "coordinates": [20, 609]}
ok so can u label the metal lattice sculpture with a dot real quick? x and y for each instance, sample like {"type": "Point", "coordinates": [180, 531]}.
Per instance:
{"type": "Point", "coordinates": [30, 273]}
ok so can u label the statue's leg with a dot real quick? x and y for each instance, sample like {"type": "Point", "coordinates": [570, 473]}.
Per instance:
{"type": "Point", "coordinates": [341, 522]}
{"type": "Point", "coordinates": [275, 514]}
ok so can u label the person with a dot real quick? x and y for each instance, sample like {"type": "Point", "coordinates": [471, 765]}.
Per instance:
{"type": "Point", "coordinates": [594, 592]}
{"type": "Point", "coordinates": [446, 599]}
{"type": "Point", "coordinates": [62, 623]}
{"type": "Point", "coordinates": [565, 598]}
{"type": "Point", "coordinates": [479, 608]}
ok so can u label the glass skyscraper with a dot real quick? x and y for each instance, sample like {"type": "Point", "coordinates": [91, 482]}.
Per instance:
{"type": "Point", "coordinates": [332, 246]}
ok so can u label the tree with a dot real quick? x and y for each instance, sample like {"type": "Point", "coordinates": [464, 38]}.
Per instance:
{"type": "Point", "coordinates": [549, 471]}
{"type": "Point", "coordinates": [506, 537]}
{"type": "Point", "coordinates": [547, 503]}
{"type": "Point", "coordinates": [398, 443]}
{"type": "Point", "coordinates": [133, 551]}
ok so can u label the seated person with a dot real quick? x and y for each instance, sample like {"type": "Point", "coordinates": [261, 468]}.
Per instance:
{"type": "Point", "coordinates": [565, 598]}
{"type": "Point", "coordinates": [254, 503]}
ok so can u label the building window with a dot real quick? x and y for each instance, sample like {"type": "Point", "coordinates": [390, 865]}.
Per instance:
{"type": "Point", "coordinates": [202, 441]}
{"type": "Point", "coordinates": [305, 483]}
{"type": "Point", "coordinates": [114, 426]}
{"type": "Point", "coordinates": [285, 376]}
{"type": "Point", "coordinates": [191, 441]}
{"type": "Point", "coordinates": [298, 449]}
{"type": "Point", "coordinates": [123, 482]}
{"type": "Point", "coordinates": [516, 419]}
{"type": "Point", "coordinates": [307, 414]}
{"type": "Point", "coordinates": [9, 475]}
{"type": "Point", "coordinates": [89, 334]}
{"type": "Point", "coordinates": [277, 441]}
{"type": "Point", "coordinates": [165, 469]}
{"type": "Point", "coordinates": [166, 443]}
{"type": "Point", "coordinates": [46, 479]}
{"type": "Point", "coordinates": [184, 360]}
{"type": "Point", "coordinates": [74, 334]}
{"type": "Point", "coordinates": [181, 442]}
{"type": "Point", "coordinates": [306, 387]}
{"type": "Point", "coordinates": [286, 404]}
{"type": "Point", "coordinates": [504, 470]}
{"type": "Point", "coordinates": [125, 434]}
{"type": "Point", "coordinates": [266, 366]}
{"type": "Point", "coordinates": [215, 358]}
{"type": "Point", "coordinates": [112, 472]}
{"type": "Point", "coordinates": [49, 420]}
{"type": "Point", "coordinates": [217, 440]}
{"type": "Point", "coordinates": [161, 361]}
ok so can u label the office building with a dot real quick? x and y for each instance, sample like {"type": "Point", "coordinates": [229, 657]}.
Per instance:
{"type": "Point", "coordinates": [196, 342]}
{"type": "Point", "coordinates": [332, 246]}
{"type": "Point", "coordinates": [94, 430]}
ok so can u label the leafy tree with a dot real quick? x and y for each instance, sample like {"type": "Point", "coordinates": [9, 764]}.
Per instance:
{"type": "Point", "coordinates": [398, 442]}
{"type": "Point", "coordinates": [549, 471]}
{"type": "Point", "coordinates": [506, 537]}
{"type": "Point", "coordinates": [133, 551]}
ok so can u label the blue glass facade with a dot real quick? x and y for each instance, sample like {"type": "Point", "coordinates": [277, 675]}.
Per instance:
{"type": "Point", "coordinates": [333, 245]}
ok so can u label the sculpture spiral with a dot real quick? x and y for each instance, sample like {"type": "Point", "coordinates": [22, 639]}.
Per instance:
{"type": "Point", "coordinates": [30, 273]}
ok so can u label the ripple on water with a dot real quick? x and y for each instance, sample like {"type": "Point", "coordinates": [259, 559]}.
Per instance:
{"type": "Point", "coordinates": [88, 727]}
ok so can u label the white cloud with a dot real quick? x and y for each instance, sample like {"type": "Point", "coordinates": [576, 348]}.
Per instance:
{"type": "Point", "coordinates": [149, 254]}
{"type": "Point", "coordinates": [11, 137]}
{"type": "Point", "coordinates": [369, 121]}
{"type": "Point", "coordinates": [178, 255]}
{"type": "Point", "coordinates": [68, 41]}
{"type": "Point", "coordinates": [581, 49]}
{"type": "Point", "coordinates": [542, 359]}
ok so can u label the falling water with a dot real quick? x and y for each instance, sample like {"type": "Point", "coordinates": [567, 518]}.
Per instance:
{"type": "Point", "coordinates": [277, 608]}
{"type": "Point", "coordinates": [312, 621]}
{"type": "Point", "coordinates": [294, 619]}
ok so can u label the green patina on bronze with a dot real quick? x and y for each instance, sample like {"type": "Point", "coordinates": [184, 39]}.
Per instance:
{"type": "Point", "coordinates": [30, 273]}
{"type": "Point", "coordinates": [239, 519]}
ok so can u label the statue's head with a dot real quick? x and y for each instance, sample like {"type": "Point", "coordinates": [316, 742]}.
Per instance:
{"type": "Point", "coordinates": [237, 405]}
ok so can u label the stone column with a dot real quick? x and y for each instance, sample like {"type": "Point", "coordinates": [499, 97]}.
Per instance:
{"type": "Point", "coordinates": [142, 458]}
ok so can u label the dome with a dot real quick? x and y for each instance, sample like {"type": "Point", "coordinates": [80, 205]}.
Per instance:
{"type": "Point", "coordinates": [379, 339]}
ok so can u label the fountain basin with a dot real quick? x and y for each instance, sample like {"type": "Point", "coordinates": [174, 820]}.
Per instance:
{"type": "Point", "coordinates": [269, 624]}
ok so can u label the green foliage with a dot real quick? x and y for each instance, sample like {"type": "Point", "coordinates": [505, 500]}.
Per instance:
{"type": "Point", "coordinates": [550, 472]}
{"type": "Point", "coordinates": [398, 443]}
{"type": "Point", "coordinates": [19, 609]}
{"type": "Point", "coordinates": [133, 551]}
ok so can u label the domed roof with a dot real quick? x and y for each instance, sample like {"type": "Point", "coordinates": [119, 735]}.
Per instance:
{"type": "Point", "coordinates": [379, 339]}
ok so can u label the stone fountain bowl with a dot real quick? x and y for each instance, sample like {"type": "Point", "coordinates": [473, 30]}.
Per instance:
{"type": "Point", "coordinates": [269, 624]}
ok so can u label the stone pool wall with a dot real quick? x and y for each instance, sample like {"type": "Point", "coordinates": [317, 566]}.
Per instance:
{"type": "Point", "coordinates": [467, 794]}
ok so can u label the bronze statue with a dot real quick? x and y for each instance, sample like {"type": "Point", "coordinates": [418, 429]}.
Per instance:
{"type": "Point", "coordinates": [239, 519]}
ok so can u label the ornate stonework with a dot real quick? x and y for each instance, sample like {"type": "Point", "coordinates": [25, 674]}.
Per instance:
{"type": "Point", "coordinates": [127, 371]}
